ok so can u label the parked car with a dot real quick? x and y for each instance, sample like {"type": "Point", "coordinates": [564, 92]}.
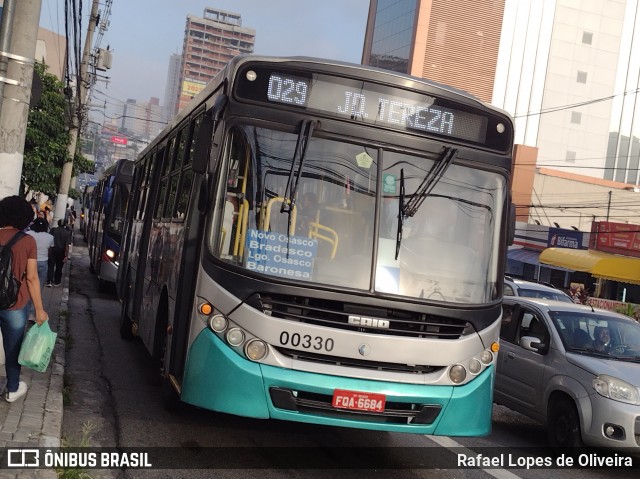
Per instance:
{"type": "Point", "coordinates": [520, 287]}
{"type": "Point", "coordinates": [553, 369]}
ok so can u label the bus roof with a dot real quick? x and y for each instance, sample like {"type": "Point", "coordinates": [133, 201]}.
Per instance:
{"type": "Point", "coordinates": [379, 75]}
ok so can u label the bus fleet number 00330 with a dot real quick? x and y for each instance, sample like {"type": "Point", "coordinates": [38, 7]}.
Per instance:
{"type": "Point", "coordinates": [306, 341]}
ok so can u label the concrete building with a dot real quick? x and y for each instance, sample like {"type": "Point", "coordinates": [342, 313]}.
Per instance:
{"type": "Point", "coordinates": [143, 120]}
{"type": "Point", "coordinates": [563, 68]}
{"type": "Point", "coordinates": [567, 70]}
{"type": "Point", "coordinates": [209, 43]}
{"type": "Point", "coordinates": [50, 48]}
{"type": "Point", "coordinates": [455, 43]}
{"type": "Point", "coordinates": [172, 86]}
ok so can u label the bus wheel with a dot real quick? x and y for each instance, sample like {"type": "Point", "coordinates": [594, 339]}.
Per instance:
{"type": "Point", "coordinates": [563, 425]}
{"type": "Point", "coordinates": [170, 399]}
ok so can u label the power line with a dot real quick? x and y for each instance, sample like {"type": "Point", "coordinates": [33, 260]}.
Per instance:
{"type": "Point", "coordinates": [577, 105]}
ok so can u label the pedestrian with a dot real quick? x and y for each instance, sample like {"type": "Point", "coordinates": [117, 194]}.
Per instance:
{"type": "Point", "coordinates": [35, 206]}
{"type": "Point", "coordinates": [74, 214]}
{"type": "Point", "coordinates": [42, 216]}
{"type": "Point", "coordinates": [58, 254]}
{"type": "Point", "coordinates": [47, 215]}
{"type": "Point", "coordinates": [69, 218]}
{"type": "Point", "coordinates": [15, 215]}
{"type": "Point", "coordinates": [44, 242]}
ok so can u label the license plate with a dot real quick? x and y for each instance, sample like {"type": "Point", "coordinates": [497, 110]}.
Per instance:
{"type": "Point", "coordinates": [358, 401]}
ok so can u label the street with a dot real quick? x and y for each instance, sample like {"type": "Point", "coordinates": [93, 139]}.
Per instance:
{"type": "Point", "coordinates": [113, 399]}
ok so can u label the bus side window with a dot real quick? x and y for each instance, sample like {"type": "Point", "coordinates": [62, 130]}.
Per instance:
{"type": "Point", "coordinates": [232, 233]}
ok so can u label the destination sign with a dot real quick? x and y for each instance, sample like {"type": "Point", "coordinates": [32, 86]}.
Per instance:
{"type": "Point", "coordinates": [372, 103]}
{"type": "Point", "coordinates": [280, 254]}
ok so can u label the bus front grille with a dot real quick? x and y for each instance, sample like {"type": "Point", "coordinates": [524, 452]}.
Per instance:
{"type": "Point", "coordinates": [321, 405]}
{"type": "Point", "coordinates": [358, 363]}
{"type": "Point", "coordinates": [359, 317]}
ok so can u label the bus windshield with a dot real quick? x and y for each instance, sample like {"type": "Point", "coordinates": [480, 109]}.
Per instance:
{"type": "Point", "coordinates": [323, 230]}
{"type": "Point", "coordinates": [118, 208]}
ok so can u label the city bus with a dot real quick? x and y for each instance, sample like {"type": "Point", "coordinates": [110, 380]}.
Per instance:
{"type": "Point", "coordinates": [323, 242]}
{"type": "Point", "coordinates": [107, 206]}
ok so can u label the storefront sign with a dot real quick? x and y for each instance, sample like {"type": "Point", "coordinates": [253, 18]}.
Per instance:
{"type": "Point", "coordinates": [618, 238]}
{"type": "Point", "coordinates": [559, 238]}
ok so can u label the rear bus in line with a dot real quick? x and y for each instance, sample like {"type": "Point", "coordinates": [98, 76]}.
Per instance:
{"type": "Point", "coordinates": [108, 206]}
{"type": "Point", "coordinates": [322, 242]}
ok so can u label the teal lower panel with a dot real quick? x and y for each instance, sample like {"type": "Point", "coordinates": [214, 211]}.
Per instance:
{"type": "Point", "coordinates": [217, 378]}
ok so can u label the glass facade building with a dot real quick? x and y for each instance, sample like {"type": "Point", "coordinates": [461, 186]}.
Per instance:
{"type": "Point", "coordinates": [393, 34]}
{"type": "Point", "coordinates": [454, 43]}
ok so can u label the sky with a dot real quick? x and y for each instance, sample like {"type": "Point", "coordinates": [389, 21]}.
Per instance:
{"type": "Point", "coordinates": [142, 34]}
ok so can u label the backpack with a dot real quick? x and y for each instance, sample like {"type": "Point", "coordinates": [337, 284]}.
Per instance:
{"type": "Point", "coordinates": [9, 285]}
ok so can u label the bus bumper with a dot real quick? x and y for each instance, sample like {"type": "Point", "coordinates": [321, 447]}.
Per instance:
{"type": "Point", "coordinates": [217, 378]}
{"type": "Point", "coordinates": [108, 271]}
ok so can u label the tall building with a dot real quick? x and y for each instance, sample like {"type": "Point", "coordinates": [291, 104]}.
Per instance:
{"type": "Point", "coordinates": [569, 73]}
{"type": "Point", "coordinates": [567, 70]}
{"type": "Point", "coordinates": [209, 43]}
{"type": "Point", "coordinates": [455, 43]}
{"type": "Point", "coordinates": [172, 86]}
{"type": "Point", "coordinates": [142, 119]}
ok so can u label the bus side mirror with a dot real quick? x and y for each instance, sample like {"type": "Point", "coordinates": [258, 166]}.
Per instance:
{"type": "Point", "coordinates": [205, 134]}
{"type": "Point", "coordinates": [511, 227]}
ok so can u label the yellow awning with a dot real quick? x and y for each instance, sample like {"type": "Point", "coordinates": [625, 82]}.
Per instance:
{"type": "Point", "coordinates": [602, 265]}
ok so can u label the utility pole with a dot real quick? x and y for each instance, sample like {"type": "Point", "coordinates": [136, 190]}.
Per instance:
{"type": "Point", "coordinates": [17, 55]}
{"type": "Point", "coordinates": [76, 120]}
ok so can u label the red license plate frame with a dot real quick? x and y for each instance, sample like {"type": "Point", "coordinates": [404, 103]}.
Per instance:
{"type": "Point", "coordinates": [358, 400]}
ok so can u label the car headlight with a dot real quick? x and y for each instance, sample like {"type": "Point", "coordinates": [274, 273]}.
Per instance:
{"type": "Point", "coordinates": [616, 389]}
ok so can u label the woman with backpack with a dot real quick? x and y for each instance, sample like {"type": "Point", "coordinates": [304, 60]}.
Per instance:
{"type": "Point", "coordinates": [16, 215]}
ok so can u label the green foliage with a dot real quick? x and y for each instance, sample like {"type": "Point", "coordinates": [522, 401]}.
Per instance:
{"type": "Point", "coordinates": [629, 309]}
{"type": "Point", "coordinates": [85, 441]}
{"type": "Point", "coordinates": [47, 139]}
{"type": "Point", "coordinates": [82, 165]}
{"type": "Point", "coordinates": [74, 193]}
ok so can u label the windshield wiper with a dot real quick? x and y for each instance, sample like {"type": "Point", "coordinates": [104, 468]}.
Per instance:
{"type": "Point", "coordinates": [400, 213]}
{"type": "Point", "coordinates": [290, 192]}
{"type": "Point", "coordinates": [429, 182]}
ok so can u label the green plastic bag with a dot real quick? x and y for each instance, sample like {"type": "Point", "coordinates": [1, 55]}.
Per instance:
{"type": "Point", "coordinates": [37, 347]}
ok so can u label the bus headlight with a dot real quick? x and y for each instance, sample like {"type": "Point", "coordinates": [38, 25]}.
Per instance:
{"type": "Point", "coordinates": [255, 350]}
{"type": "Point", "coordinates": [110, 254]}
{"type": "Point", "coordinates": [486, 357]}
{"type": "Point", "coordinates": [235, 337]}
{"type": "Point", "coordinates": [457, 374]}
{"type": "Point", "coordinates": [474, 366]}
{"type": "Point", "coordinates": [218, 323]}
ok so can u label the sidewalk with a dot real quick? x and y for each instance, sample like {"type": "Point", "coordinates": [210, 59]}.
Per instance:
{"type": "Point", "coordinates": [36, 419]}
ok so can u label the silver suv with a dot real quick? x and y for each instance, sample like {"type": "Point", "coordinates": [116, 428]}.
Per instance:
{"type": "Point", "coordinates": [519, 287]}
{"type": "Point", "coordinates": [573, 368]}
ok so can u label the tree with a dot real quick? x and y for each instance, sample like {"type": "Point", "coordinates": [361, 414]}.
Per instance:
{"type": "Point", "coordinates": [47, 138]}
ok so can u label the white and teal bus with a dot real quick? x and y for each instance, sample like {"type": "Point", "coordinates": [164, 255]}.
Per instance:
{"type": "Point", "coordinates": [324, 242]}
